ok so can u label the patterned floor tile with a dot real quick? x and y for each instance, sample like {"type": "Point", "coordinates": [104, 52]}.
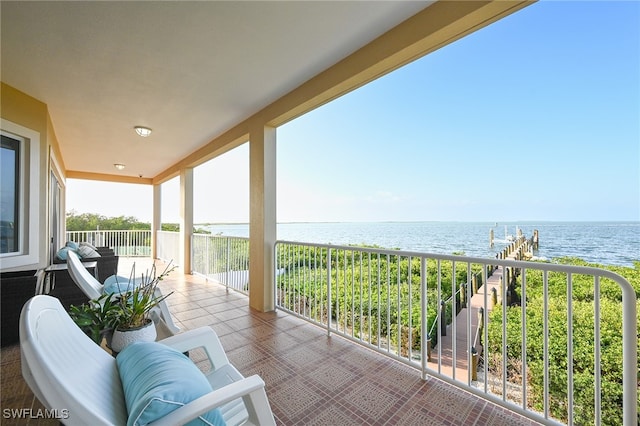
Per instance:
{"type": "Point", "coordinates": [333, 378]}
{"type": "Point", "coordinates": [298, 399]}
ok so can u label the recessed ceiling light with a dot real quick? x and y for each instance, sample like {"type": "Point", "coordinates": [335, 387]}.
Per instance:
{"type": "Point", "coordinates": [119, 166]}
{"type": "Point", "coordinates": [143, 131]}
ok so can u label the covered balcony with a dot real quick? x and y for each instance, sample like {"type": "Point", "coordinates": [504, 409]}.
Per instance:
{"type": "Point", "coordinates": [205, 78]}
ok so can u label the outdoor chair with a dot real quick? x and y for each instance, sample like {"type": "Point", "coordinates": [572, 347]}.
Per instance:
{"type": "Point", "coordinates": [94, 289]}
{"type": "Point", "coordinates": [85, 385]}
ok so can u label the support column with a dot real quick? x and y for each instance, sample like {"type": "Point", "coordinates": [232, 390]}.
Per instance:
{"type": "Point", "coordinates": [186, 218]}
{"type": "Point", "coordinates": [262, 218]}
{"type": "Point", "coordinates": [156, 221]}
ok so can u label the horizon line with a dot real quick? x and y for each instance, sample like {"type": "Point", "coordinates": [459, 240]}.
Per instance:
{"type": "Point", "coordinates": [429, 221]}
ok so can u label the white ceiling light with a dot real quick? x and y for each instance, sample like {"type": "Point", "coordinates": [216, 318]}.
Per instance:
{"type": "Point", "coordinates": [143, 131]}
{"type": "Point", "coordinates": [119, 166]}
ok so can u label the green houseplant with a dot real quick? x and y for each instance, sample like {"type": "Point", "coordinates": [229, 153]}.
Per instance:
{"type": "Point", "coordinates": [135, 307]}
{"type": "Point", "coordinates": [136, 304]}
{"type": "Point", "coordinates": [97, 318]}
{"type": "Point", "coordinates": [128, 311]}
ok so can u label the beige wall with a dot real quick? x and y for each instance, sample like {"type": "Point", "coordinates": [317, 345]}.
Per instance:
{"type": "Point", "coordinates": [26, 111]}
{"type": "Point", "coordinates": [23, 109]}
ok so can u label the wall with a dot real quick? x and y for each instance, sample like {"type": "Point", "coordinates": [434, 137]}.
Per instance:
{"type": "Point", "coordinates": [26, 111]}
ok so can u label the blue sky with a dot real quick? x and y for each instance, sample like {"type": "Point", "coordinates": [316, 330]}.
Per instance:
{"type": "Point", "coordinates": [536, 117]}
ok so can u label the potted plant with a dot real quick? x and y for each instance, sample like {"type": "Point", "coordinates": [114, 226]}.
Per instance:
{"type": "Point", "coordinates": [97, 318]}
{"type": "Point", "coordinates": [126, 316]}
{"type": "Point", "coordinates": [135, 305]}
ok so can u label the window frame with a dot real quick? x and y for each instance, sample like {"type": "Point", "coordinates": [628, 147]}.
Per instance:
{"type": "Point", "coordinates": [29, 197]}
{"type": "Point", "coordinates": [15, 144]}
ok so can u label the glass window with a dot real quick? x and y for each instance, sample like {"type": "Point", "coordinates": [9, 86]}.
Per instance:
{"type": "Point", "coordinates": [9, 195]}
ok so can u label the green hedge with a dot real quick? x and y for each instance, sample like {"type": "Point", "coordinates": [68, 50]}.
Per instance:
{"type": "Point", "coordinates": [372, 281]}
{"type": "Point", "coordinates": [583, 342]}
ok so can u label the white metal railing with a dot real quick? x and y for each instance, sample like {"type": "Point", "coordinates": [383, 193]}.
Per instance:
{"type": "Point", "coordinates": [553, 342]}
{"type": "Point", "coordinates": [128, 243]}
{"type": "Point", "coordinates": [222, 259]}
{"type": "Point", "coordinates": [168, 246]}
{"type": "Point", "coordinates": [570, 333]}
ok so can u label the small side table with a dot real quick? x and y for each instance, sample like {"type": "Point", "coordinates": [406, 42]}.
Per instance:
{"type": "Point", "coordinates": [62, 285]}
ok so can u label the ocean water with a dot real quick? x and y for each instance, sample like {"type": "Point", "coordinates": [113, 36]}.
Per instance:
{"type": "Point", "coordinates": [607, 243]}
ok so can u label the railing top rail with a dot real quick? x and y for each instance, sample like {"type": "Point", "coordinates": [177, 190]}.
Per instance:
{"type": "Point", "coordinates": [221, 236]}
{"type": "Point", "coordinates": [109, 230]}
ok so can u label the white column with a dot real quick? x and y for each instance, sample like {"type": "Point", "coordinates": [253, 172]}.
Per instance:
{"type": "Point", "coordinates": [262, 217]}
{"type": "Point", "coordinates": [156, 221]}
{"type": "Point", "coordinates": [186, 218]}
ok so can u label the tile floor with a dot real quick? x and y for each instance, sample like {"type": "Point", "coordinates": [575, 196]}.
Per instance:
{"type": "Point", "coordinates": [311, 379]}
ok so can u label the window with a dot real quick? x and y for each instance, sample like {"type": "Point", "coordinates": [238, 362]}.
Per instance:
{"type": "Point", "coordinates": [20, 193]}
{"type": "Point", "coordinates": [10, 194]}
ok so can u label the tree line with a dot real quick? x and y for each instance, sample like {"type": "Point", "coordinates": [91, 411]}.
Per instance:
{"type": "Point", "coordinates": [94, 221]}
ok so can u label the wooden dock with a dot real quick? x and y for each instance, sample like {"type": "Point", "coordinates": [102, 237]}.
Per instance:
{"type": "Point", "coordinates": [458, 369]}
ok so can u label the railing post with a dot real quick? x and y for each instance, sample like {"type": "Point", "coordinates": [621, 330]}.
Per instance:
{"type": "Point", "coordinates": [227, 265]}
{"type": "Point", "coordinates": [425, 338]}
{"type": "Point", "coordinates": [191, 250]}
{"type": "Point", "coordinates": [206, 262]}
{"type": "Point", "coordinates": [629, 356]}
{"type": "Point", "coordinates": [329, 310]}
{"type": "Point", "coordinates": [443, 321]}
{"type": "Point", "coordinates": [474, 364]}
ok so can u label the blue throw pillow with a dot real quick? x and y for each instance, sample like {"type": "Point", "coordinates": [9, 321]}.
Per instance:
{"type": "Point", "coordinates": [62, 253]}
{"type": "Point", "coordinates": [157, 380]}
{"type": "Point", "coordinates": [117, 284]}
{"type": "Point", "coordinates": [72, 245]}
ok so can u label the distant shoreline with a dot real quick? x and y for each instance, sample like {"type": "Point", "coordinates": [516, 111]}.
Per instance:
{"type": "Point", "coordinates": [601, 242]}
{"type": "Point", "coordinates": [479, 222]}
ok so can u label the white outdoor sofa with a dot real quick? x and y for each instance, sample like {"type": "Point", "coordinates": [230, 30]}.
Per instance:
{"type": "Point", "coordinates": [79, 380]}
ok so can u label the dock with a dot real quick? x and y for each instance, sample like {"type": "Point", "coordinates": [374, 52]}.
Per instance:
{"type": "Point", "coordinates": [458, 369]}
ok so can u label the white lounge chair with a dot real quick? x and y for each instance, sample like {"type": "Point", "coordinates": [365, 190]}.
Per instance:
{"type": "Point", "coordinates": [93, 289]}
{"type": "Point", "coordinates": [78, 380]}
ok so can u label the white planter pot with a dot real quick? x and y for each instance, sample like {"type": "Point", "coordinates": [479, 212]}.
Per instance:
{"type": "Point", "coordinates": [122, 338]}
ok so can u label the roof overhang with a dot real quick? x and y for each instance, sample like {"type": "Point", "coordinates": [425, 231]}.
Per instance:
{"type": "Point", "coordinates": [202, 75]}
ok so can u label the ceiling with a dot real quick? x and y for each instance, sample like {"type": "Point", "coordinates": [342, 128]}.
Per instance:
{"type": "Point", "coordinates": [188, 70]}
